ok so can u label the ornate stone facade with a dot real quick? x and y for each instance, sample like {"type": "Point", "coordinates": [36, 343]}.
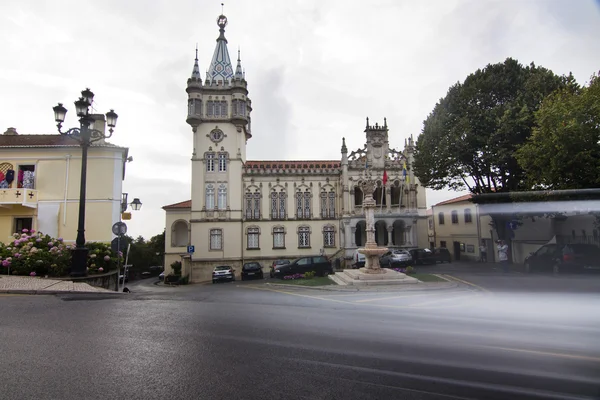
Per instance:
{"type": "Point", "coordinates": [244, 210]}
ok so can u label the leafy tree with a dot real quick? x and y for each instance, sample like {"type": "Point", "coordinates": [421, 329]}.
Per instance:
{"type": "Point", "coordinates": [470, 138]}
{"type": "Point", "coordinates": [564, 150]}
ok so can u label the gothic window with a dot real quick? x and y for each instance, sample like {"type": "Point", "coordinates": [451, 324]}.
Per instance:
{"type": "Point", "coordinates": [210, 162]}
{"type": "Point", "coordinates": [222, 198]}
{"type": "Point", "coordinates": [468, 216]}
{"type": "Point", "coordinates": [249, 206]}
{"type": "Point", "coordinates": [454, 216]}
{"type": "Point", "coordinates": [223, 109]}
{"type": "Point", "coordinates": [328, 204]}
{"type": "Point", "coordinates": [210, 108]}
{"type": "Point", "coordinates": [278, 205]}
{"type": "Point", "coordinates": [441, 218]}
{"type": "Point", "coordinates": [252, 234]}
{"type": "Point", "coordinates": [195, 107]}
{"type": "Point", "coordinates": [282, 205]}
{"type": "Point", "coordinates": [239, 107]}
{"type": "Point", "coordinates": [329, 236]}
{"type": "Point", "coordinates": [252, 205]}
{"type": "Point", "coordinates": [222, 162]}
{"type": "Point", "coordinates": [303, 205]}
{"type": "Point", "coordinates": [278, 237]}
{"type": "Point", "coordinates": [210, 196]}
{"type": "Point", "coordinates": [304, 236]}
{"type": "Point", "coordinates": [217, 106]}
{"type": "Point", "coordinates": [216, 239]}
{"type": "Point", "coordinates": [256, 205]}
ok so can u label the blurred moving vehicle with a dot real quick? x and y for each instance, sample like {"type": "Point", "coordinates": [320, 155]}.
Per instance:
{"type": "Point", "coordinates": [252, 270]}
{"type": "Point", "coordinates": [358, 260]}
{"type": "Point", "coordinates": [276, 264]}
{"type": "Point", "coordinates": [223, 273]}
{"type": "Point", "coordinates": [318, 264]}
{"type": "Point", "coordinates": [442, 254]}
{"type": "Point", "coordinates": [423, 256]}
{"type": "Point", "coordinates": [576, 257]}
{"type": "Point", "coordinates": [396, 258]}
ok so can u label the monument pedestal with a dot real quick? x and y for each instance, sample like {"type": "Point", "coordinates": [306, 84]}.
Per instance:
{"type": "Point", "coordinates": [361, 277]}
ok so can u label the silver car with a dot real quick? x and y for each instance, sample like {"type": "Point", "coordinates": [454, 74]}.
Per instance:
{"type": "Point", "coordinates": [396, 258]}
{"type": "Point", "coordinates": [223, 273]}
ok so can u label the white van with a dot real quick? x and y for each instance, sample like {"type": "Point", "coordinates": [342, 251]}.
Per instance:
{"type": "Point", "coordinates": [358, 260]}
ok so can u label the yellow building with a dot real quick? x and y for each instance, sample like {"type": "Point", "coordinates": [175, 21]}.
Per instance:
{"type": "Point", "coordinates": [459, 227]}
{"type": "Point", "coordinates": [40, 182]}
{"type": "Point", "coordinates": [244, 210]}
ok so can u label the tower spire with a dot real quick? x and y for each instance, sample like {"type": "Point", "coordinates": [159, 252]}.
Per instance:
{"type": "Point", "coordinates": [221, 70]}
{"type": "Point", "coordinates": [239, 73]}
{"type": "Point", "coordinates": [196, 70]}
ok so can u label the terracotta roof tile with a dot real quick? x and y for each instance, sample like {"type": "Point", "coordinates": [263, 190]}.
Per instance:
{"type": "Point", "coordinates": [181, 204]}
{"type": "Point", "coordinates": [458, 199]}
{"type": "Point", "coordinates": [455, 200]}
{"type": "Point", "coordinates": [43, 141]}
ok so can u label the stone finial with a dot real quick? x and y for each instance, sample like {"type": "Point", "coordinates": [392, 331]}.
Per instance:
{"type": "Point", "coordinates": [344, 148]}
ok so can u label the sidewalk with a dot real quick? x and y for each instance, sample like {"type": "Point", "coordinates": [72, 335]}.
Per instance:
{"type": "Point", "coordinates": [35, 285]}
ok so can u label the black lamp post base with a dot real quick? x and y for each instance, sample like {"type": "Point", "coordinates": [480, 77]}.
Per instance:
{"type": "Point", "coordinates": [79, 262]}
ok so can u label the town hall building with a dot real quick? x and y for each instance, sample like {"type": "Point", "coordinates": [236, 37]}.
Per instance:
{"type": "Point", "coordinates": [251, 210]}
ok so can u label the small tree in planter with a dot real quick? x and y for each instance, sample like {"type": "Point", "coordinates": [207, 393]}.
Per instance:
{"type": "Point", "coordinates": [175, 277]}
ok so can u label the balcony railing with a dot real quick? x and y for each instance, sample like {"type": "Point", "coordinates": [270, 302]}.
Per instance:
{"type": "Point", "coordinates": [24, 197]}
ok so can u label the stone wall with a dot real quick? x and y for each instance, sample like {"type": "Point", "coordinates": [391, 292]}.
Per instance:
{"type": "Point", "coordinates": [106, 281]}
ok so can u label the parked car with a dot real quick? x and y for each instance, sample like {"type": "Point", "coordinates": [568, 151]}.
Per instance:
{"type": "Point", "coordinates": [252, 270]}
{"type": "Point", "coordinates": [396, 258]}
{"type": "Point", "coordinates": [318, 264]}
{"type": "Point", "coordinates": [358, 260]}
{"type": "Point", "coordinates": [442, 254]}
{"type": "Point", "coordinates": [223, 273]}
{"type": "Point", "coordinates": [276, 264]}
{"type": "Point", "coordinates": [422, 256]}
{"type": "Point", "coordinates": [578, 257]}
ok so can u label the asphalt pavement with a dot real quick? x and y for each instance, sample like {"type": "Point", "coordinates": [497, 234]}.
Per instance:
{"type": "Point", "coordinates": [252, 340]}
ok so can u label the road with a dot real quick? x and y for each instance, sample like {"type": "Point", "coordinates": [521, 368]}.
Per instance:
{"type": "Point", "coordinates": [256, 341]}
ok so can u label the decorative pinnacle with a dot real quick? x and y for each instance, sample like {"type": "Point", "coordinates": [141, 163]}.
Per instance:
{"type": "Point", "coordinates": [344, 148]}
{"type": "Point", "coordinates": [367, 122]}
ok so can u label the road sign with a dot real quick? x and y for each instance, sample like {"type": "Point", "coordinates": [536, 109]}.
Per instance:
{"type": "Point", "coordinates": [119, 228]}
{"type": "Point", "coordinates": [191, 249]}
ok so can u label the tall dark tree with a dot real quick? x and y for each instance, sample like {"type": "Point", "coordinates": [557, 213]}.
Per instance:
{"type": "Point", "coordinates": [564, 150]}
{"type": "Point", "coordinates": [470, 138]}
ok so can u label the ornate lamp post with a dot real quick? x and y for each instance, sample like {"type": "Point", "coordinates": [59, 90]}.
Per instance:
{"type": "Point", "coordinates": [85, 136]}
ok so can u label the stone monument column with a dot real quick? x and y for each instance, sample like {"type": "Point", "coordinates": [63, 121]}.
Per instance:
{"type": "Point", "coordinates": [390, 230]}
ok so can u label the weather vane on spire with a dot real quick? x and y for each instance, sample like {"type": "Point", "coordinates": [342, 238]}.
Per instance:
{"type": "Point", "coordinates": [222, 4]}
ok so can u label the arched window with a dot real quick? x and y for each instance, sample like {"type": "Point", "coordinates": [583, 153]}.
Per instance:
{"type": "Point", "coordinates": [278, 237]}
{"type": "Point", "coordinates": [303, 236]}
{"type": "Point", "coordinates": [253, 235]}
{"type": "Point", "coordinates": [179, 234]}
{"type": "Point", "coordinates": [252, 205]}
{"type": "Point", "coordinates": [328, 236]}
{"type": "Point", "coordinates": [454, 216]}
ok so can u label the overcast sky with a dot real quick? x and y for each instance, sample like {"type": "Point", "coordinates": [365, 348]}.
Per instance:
{"type": "Point", "coordinates": [315, 70]}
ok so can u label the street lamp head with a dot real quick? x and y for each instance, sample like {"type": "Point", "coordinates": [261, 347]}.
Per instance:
{"type": "Point", "coordinates": [136, 204]}
{"type": "Point", "coordinates": [59, 113]}
{"type": "Point", "coordinates": [111, 118]}
{"type": "Point", "coordinates": [81, 106]}
{"type": "Point", "coordinates": [88, 96]}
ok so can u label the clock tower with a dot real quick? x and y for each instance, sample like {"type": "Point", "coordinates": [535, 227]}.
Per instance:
{"type": "Point", "coordinates": [219, 114]}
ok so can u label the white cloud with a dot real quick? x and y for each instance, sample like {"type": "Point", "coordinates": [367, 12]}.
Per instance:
{"type": "Point", "coordinates": [315, 69]}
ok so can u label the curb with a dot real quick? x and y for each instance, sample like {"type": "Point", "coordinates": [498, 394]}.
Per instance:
{"type": "Point", "coordinates": [338, 288]}
{"type": "Point", "coordinates": [53, 292]}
